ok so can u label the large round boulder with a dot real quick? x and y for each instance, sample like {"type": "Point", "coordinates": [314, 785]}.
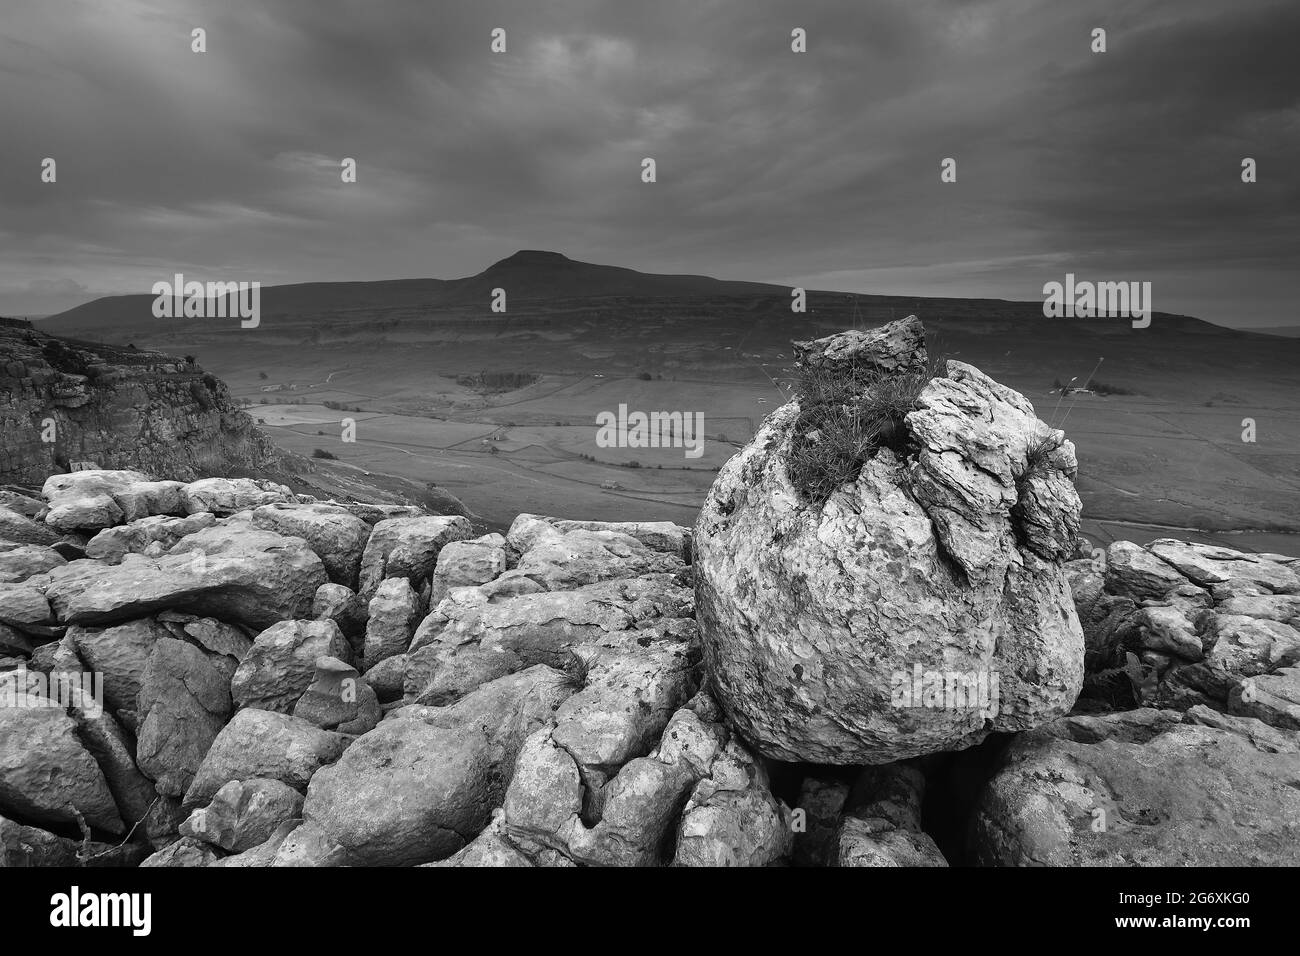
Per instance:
{"type": "Point", "coordinates": [879, 571]}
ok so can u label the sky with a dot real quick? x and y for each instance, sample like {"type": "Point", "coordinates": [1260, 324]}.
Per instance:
{"type": "Point", "coordinates": [819, 169]}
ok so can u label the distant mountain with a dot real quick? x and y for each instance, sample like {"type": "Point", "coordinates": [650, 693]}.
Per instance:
{"type": "Point", "coordinates": [535, 278]}
{"type": "Point", "coordinates": [535, 274]}
{"type": "Point", "coordinates": [136, 311]}
{"type": "Point", "coordinates": [1286, 331]}
{"type": "Point", "coordinates": [529, 274]}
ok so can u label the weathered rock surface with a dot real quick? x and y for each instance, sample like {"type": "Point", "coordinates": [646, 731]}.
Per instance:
{"type": "Point", "coordinates": [1273, 698]}
{"type": "Point", "coordinates": [656, 535]}
{"type": "Point", "coordinates": [114, 751]}
{"type": "Point", "coordinates": [729, 818]}
{"type": "Point", "coordinates": [224, 496]}
{"type": "Point", "coordinates": [1140, 789]}
{"type": "Point", "coordinates": [1210, 566]}
{"type": "Point", "coordinates": [116, 407]}
{"type": "Point", "coordinates": [309, 845]}
{"type": "Point", "coordinates": [467, 564]}
{"type": "Point", "coordinates": [227, 646]}
{"type": "Point", "coordinates": [256, 579]}
{"type": "Point", "coordinates": [244, 814]}
{"type": "Point", "coordinates": [282, 663]}
{"type": "Point", "coordinates": [24, 607]}
{"type": "Point", "coordinates": [264, 744]}
{"type": "Point", "coordinates": [265, 853]}
{"type": "Point", "coordinates": [338, 699]}
{"type": "Point", "coordinates": [406, 548]}
{"type": "Point", "coordinates": [15, 644]}
{"type": "Point", "coordinates": [182, 705]}
{"type": "Point", "coordinates": [46, 774]}
{"type": "Point", "coordinates": [558, 559]}
{"type": "Point", "coordinates": [419, 787]}
{"type": "Point", "coordinates": [490, 848]}
{"type": "Point", "coordinates": [945, 559]}
{"type": "Point", "coordinates": [388, 678]}
{"type": "Point", "coordinates": [113, 544]}
{"type": "Point", "coordinates": [84, 500]}
{"type": "Point", "coordinates": [143, 499]}
{"type": "Point", "coordinates": [1133, 571]}
{"type": "Point", "coordinates": [393, 616]}
{"type": "Point", "coordinates": [184, 852]}
{"type": "Point", "coordinates": [18, 528]}
{"type": "Point", "coordinates": [121, 654]}
{"type": "Point", "coordinates": [334, 533]}
{"type": "Point", "coordinates": [20, 563]}
{"type": "Point", "coordinates": [344, 607]}
{"type": "Point", "coordinates": [1181, 625]}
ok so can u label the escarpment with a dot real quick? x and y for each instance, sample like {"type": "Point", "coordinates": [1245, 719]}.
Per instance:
{"type": "Point", "coordinates": [68, 404]}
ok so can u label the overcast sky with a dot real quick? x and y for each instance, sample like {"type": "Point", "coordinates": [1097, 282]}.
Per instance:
{"type": "Point", "coordinates": [819, 169]}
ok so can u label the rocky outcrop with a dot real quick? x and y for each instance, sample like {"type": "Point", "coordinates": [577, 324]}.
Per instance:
{"type": "Point", "coordinates": [255, 581]}
{"type": "Point", "coordinates": [224, 673]}
{"type": "Point", "coordinates": [183, 703]}
{"type": "Point", "coordinates": [406, 547]}
{"type": "Point", "coordinates": [1175, 624]}
{"type": "Point", "coordinates": [421, 786]}
{"type": "Point", "coordinates": [1144, 788]}
{"type": "Point", "coordinates": [263, 744]}
{"type": "Point", "coordinates": [338, 699]}
{"type": "Point", "coordinates": [64, 403]}
{"type": "Point", "coordinates": [554, 691]}
{"type": "Point", "coordinates": [244, 814]}
{"type": "Point", "coordinates": [1188, 751]}
{"type": "Point", "coordinates": [333, 532]}
{"type": "Point", "coordinates": [46, 774]}
{"type": "Point", "coordinates": [282, 663]}
{"type": "Point", "coordinates": [257, 711]}
{"type": "Point", "coordinates": [922, 604]}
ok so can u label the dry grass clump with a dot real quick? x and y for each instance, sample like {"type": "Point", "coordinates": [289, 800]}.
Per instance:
{"type": "Point", "coordinates": [846, 415]}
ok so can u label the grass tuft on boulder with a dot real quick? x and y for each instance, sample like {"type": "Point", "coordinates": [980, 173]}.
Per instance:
{"type": "Point", "coordinates": [846, 415]}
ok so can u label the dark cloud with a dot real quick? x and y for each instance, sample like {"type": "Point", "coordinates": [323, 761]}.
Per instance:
{"type": "Point", "coordinates": [820, 169]}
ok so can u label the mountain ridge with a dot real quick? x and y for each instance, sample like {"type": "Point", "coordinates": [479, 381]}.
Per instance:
{"type": "Point", "coordinates": [528, 275]}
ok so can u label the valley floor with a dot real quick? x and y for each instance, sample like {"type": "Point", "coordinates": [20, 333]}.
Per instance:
{"type": "Point", "coordinates": [1167, 462]}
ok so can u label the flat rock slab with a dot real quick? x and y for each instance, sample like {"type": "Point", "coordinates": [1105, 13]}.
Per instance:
{"type": "Point", "coordinates": [1123, 791]}
{"type": "Point", "coordinates": [265, 582]}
